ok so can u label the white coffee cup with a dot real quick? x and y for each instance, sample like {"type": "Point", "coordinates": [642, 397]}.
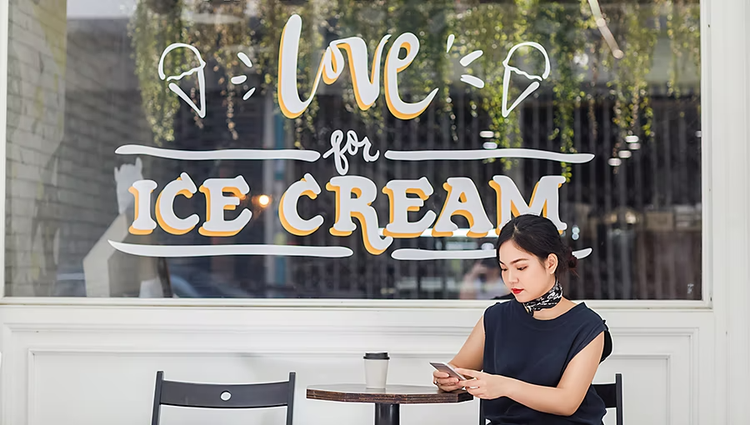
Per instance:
{"type": "Point", "coordinates": [376, 370]}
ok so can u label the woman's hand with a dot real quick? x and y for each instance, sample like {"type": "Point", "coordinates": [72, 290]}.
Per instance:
{"type": "Point", "coordinates": [444, 381]}
{"type": "Point", "coordinates": [485, 385]}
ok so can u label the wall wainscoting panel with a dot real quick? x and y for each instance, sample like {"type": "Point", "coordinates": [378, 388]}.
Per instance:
{"type": "Point", "coordinates": [92, 366]}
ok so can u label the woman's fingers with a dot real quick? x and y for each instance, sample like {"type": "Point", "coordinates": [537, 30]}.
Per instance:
{"type": "Point", "coordinates": [443, 378]}
{"type": "Point", "coordinates": [448, 384]}
{"type": "Point", "coordinates": [472, 383]}
{"type": "Point", "coordinates": [444, 381]}
{"type": "Point", "coordinates": [449, 387]}
{"type": "Point", "coordinates": [470, 373]}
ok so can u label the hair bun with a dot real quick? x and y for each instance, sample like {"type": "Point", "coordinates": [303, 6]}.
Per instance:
{"type": "Point", "coordinates": [572, 262]}
{"type": "Point", "coordinates": [572, 259]}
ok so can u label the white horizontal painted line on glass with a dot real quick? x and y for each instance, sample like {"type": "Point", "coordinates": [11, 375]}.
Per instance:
{"type": "Point", "coordinates": [468, 254]}
{"type": "Point", "coordinates": [573, 158]}
{"type": "Point", "coordinates": [216, 250]}
{"type": "Point", "coordinates": [225, 154]}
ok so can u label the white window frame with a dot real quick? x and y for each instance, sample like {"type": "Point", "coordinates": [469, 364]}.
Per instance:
{"type": "Point", "coordinates": [710, 215]}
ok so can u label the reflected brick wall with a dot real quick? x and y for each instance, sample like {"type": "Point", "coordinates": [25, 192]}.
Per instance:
{"type": "Point", "coordinates": [72, 99]}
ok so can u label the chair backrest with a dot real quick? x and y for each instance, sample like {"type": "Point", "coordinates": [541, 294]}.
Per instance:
{"type": "Point", "coordinates": [223, 396]}
{"type": "Point", "coordinates": [611, 394]}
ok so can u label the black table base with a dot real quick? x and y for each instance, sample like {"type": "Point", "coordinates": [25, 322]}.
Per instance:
{"type": "Point", "coordinates": [386, 414]}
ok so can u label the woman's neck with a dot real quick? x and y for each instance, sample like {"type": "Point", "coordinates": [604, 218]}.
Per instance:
{"type": "Point", "coordinates": [552, 313]}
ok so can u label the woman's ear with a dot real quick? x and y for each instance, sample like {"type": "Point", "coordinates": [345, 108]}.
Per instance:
{"type": "Point", "coordinates": [551, 263]}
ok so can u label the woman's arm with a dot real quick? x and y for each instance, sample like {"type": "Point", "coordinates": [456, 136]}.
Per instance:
{"type": "Point", "coordinates": [562, 400]}
{"type": "Point", "coordinates": [469, 356]}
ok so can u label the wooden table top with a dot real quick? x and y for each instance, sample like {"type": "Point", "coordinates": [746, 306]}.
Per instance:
{"type": "Point", "coordinates": [392, 394]}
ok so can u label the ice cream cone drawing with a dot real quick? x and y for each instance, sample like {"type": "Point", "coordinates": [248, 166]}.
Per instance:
{"type": "Point", "coordinates": [535, 79]}
{"type": "Point", "coordinates": [196, 70]}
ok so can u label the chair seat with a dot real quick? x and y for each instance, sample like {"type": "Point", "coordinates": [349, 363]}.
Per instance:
{"type": "Point", "coordinates": [223, 396]}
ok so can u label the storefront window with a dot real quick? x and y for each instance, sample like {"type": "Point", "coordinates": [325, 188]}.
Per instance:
{"type": "Point", "coordinates": [348, 149]}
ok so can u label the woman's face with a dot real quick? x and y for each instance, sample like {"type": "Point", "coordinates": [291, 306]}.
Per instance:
{"type": "Point", "coordinates": [524, 275]}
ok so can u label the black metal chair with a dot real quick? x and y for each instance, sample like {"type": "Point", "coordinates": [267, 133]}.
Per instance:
{"type": "Point", "coordinates": [611, 394]}
{"type": "Point", "coordinates": [221, 396]}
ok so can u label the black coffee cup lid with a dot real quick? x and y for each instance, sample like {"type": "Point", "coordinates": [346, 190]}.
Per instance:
{"type": "Point", "coordinates": [376, 356]}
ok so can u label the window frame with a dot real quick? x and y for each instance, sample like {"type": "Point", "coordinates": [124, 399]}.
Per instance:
{"type": "Point", "coordinates": [709, 215]}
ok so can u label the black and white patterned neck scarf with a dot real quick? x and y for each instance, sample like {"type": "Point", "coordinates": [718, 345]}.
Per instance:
{"type": "Point", "coordinates": [548, 300]}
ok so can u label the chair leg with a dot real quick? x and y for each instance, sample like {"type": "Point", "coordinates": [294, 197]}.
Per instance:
{"type": "Point", "coordinates": [157, 399]}
{"type": "Point", "coordinates": [290, 398]}
{"type": "Point", "coordinates": [618, 395]}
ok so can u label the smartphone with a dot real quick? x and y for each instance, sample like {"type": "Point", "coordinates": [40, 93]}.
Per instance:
{"type": "Point", "coordinates": [445, 367]}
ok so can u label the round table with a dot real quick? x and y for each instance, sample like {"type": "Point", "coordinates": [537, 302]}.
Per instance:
{"type": "Point", "coordinates": [386, 400]}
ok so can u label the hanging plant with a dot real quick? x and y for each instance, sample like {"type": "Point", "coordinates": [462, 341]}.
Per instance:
{"type": "Point", "coordinates": [633, 115]}
{"type": "Point", "coordinates": [315, 22]}
{"type": "Point", "coordinates": [157, 24]}
{"type": "Point", "coordinates": [430, 22]}
{"type": "Point", "coordinates": [152, 28]}
{"type": "Point", "coordinates": [162, 7]}
{"type": "Point", "coordinates": [220, 34]}
{"type": "Point", "coordinates": [568, 30]}
{"type": "Point", "coordinates": [683, 29]}
{"type": "Point", "coordinates": [370, 22]}
{"type": "Point", "coordinates": [596, 48]}
{"type": "Point", "coordinates": [220, 40]}
{"type": "Point", "coordinates": [495, 29]}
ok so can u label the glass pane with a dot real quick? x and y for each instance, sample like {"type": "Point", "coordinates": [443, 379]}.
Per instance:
{"type": "Point", "coordinates": [348, 149]}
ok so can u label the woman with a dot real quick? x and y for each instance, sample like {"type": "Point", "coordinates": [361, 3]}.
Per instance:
{"type": "Point", "coordinates": [538, 353]}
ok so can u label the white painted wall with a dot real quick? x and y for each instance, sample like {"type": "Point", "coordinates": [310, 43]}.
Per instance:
{"type": "Point", "coordinates": [93, 365]}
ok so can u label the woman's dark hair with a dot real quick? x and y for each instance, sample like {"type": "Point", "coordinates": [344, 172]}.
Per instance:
{"type": "Point", "coordinates": [539, 236]}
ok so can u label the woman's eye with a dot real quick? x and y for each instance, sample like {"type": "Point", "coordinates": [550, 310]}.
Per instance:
{"type": "Point", "coordinates": [503, 270]}
{"type": "Point", "coordinates": [521, 268]}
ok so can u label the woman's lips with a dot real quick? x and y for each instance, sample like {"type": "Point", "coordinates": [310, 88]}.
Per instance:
{"type": "Point", "coordinates": [516, 291]}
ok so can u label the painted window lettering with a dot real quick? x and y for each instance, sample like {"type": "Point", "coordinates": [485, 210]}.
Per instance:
{"type": "Point", "coordinates": [352, 146]}
{"type": "Point", "coordinates": [366, 83]}
{"type": "Point", "coordinates": [354, 195]}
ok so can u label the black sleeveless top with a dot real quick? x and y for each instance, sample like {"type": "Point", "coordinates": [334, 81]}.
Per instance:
{"type": "Point", "coordinates": [537, 351]}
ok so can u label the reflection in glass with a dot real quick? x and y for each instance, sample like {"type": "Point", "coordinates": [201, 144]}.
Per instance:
{"type": "Point", "coordinates": [620, 81]}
